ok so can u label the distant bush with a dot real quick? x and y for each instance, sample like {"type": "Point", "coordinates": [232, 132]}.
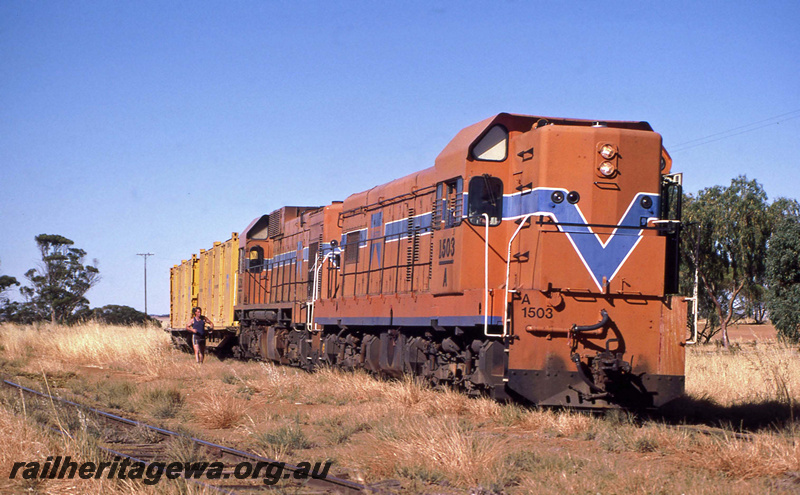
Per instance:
{"type": "Point", "coordinates": [783, 276]}
{"type": "Point", "coordinates": [121, 315]}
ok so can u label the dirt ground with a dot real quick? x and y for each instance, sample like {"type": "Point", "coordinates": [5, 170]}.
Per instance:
{"type": "Point", "coordinates": [745, 332]}
{"type": "Point", "coordinates": [748, 332]}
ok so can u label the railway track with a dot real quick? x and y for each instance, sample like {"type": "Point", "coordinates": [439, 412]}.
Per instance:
{"type": "Point", "coordinates": [166, 454]}
{"type": "Point", "coordinates": [712, 432]}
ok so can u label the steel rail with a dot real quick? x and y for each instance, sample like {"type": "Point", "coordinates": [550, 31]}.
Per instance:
{"type": "Point", "coordinates": [712, 431]}
{"type": "Point", "coordinates": [64, 432]}
{"type": "Point", "coordinates": [338, 482]}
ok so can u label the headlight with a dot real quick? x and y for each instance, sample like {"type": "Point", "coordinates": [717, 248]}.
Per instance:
{"type": "Point", "coordinates": [607, 169]}
{"type": "Point", "coordinates": [608, 151]}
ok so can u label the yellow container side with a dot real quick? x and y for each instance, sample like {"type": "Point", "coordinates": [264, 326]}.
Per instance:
{"type": "Point", "coordinates": [183, 293]}
{"type": "Point", "coordinates": [208, 280]}
{"type": "Point", "coordinates": [173, 303]}
{"type": "Point", "coordinates": [202, 261]}
{"type": "Point", "coordinates": [227, 283]}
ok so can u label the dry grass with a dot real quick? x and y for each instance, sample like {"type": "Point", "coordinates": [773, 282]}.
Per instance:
{"type": "Point", "coordinates": [757, 372]}
{"type": "Point", "coordinates": [162, 402]}
{"type": "Point", "coordinates": [763, 456]}
{"type": "Point", "coordinates": [412, 397]}
{"type": "Point", "coordinates": [21, 440]}
{"type": "Point", "coordinates": [283, 440]}
{"type": "Point", "coordinates": [147, 349]}
{"type": "Point", "coordinates": [219, 410]}
{"type": "Point", "coordinates": [432, 441]}
{"type": "Point", "coordinates": [557, 423]}
{"type": "Point", "coordinates": [433, 449]}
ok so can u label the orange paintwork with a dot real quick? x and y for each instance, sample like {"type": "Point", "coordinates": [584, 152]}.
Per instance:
{"type": "Point", "coordinates": [573, 241]}
{"type": "Point", "coordinates": [550, 273]}
{"type": "Point", "coordinates": [283, 281]}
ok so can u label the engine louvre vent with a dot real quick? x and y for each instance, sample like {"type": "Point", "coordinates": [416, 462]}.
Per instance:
{"type": "Point", "coordinates": [275, 223]}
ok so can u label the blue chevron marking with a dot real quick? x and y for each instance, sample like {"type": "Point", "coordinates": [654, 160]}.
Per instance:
{"type": "Point", "coordinates": [602, 259]}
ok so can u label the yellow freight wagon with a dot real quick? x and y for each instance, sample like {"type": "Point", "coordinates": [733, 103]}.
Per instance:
{"type": "Point", "coordinates": [207, 280]}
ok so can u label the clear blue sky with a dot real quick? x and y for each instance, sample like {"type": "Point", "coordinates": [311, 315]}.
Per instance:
{"type": "Point", "coordinates": [161, 127]}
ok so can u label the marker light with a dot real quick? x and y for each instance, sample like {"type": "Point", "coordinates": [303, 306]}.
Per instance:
{"type": "Point", "coordinates": [573, 197]}
{"type": "Point", "coordinates": [607, 169]}
{"type": "Point", "coordinates": [607, 151]}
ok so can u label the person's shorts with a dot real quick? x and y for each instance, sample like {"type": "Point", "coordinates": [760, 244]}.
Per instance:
{"type": "Point", "coordinates": [198, 340]}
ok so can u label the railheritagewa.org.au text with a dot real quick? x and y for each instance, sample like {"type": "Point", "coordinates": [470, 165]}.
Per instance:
{"type": "Point", "coordinates": [59, 467]}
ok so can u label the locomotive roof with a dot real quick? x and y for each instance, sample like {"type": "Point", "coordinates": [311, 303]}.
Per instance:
{"type": "Point", "coordinates": [460, 144]}
{"type": "Point", "coordinates": [457, 150]}
{"type": "Point", "coordinates": [259, 227]}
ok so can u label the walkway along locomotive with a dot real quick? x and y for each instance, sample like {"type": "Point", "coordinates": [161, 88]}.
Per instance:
{"type": "Point", "coordinates": [536, 260]}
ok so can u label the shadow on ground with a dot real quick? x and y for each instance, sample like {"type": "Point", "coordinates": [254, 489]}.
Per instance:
{"type": "Point", "coordinates": [753, 417]}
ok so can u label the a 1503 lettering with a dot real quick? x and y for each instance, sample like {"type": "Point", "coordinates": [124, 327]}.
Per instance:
{"type": "Point", "coordinates": [531, 312]}
{"type": "Point", "coordinates": [447, 247]}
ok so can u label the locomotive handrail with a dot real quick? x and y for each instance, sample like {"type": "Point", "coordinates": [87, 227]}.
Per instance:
{"type": "Point", "coordinates": [695, 312]}
{"type": "Point", "coordinates": [255, 277]}
{"type": "Point", "coordinates": [508, 272]}
{"type": "Point", "coordinates": [659, 225]}
{"type": "Point", "coordinates": [486, 279]}
{"type": "Point", "coordinates": [387, 201]}
{"type": "Point", "coordinates": [315, 293]}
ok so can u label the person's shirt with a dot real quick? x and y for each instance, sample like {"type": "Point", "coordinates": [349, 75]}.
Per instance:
{"type": "Point", "coordinates": [199, 326]}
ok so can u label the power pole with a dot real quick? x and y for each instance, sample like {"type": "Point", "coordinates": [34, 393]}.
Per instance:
{"type": "Point", "coordinates": [145, 255]}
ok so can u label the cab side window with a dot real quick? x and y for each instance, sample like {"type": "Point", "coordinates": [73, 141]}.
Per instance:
{"type": "Point", "coordinates": [255, 259]}
{"type": "Point", "coordinates": [448, 204]}
{"type": "Point", "coordinates": [485, 196]}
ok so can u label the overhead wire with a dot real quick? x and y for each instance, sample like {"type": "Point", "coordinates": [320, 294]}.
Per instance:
{"type": "Point", "coordinates": [752, 126]}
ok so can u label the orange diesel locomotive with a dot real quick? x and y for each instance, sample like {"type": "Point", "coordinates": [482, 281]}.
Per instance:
{"type": "Point", "coordinates": [536, 260]}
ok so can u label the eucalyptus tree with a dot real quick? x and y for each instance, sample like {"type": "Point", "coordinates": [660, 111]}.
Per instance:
{"type": "Point", "coordinates": [729, 245]}
{"type": "Point", "coordinates": [59, 284]}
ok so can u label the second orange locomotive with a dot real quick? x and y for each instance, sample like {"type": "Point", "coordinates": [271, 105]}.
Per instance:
{"type": "Point", "coordinates": [537, 260]}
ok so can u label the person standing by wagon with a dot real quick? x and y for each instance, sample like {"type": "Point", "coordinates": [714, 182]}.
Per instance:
{"type": "Point", "coordinates": [197, 325]}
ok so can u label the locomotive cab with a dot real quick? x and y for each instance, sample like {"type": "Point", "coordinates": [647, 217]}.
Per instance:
{"type": "Point", "coordinates": [589, 257]}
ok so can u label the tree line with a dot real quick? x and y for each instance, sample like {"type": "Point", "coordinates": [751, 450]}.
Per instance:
{"type": "Point", "coordinates": [57, 287]}
{"type": "Point", "coordinates": [745, 251]}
